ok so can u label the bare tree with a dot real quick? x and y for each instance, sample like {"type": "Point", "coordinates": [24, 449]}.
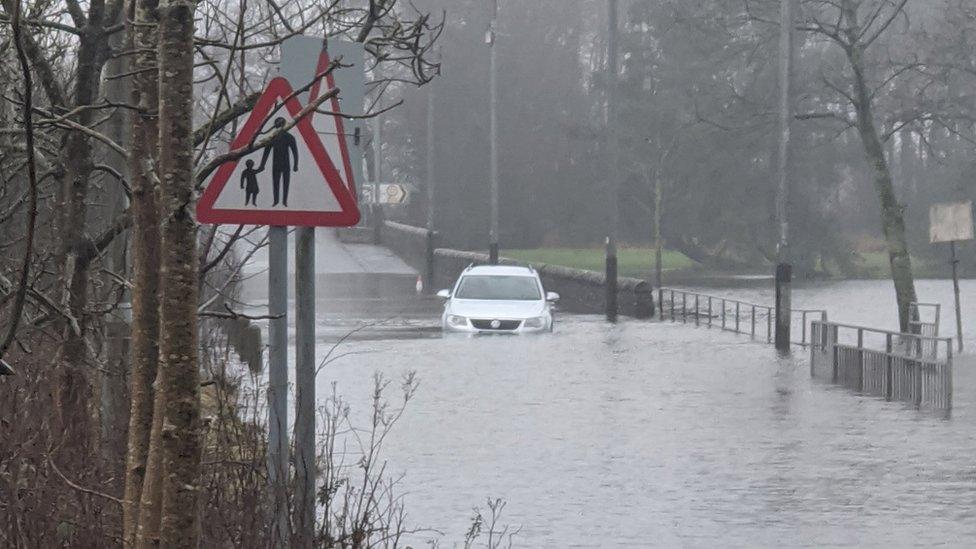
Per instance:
{"type": "Point", "coordinates": [70, 288]}
{"type": "Point", "coordinates": [855, 26]}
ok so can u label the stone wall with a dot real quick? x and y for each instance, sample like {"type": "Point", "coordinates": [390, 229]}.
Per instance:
{"type": "Point", "coordinates": [413, 244]}
{"type": "Point", "coordinates": [580, 291]}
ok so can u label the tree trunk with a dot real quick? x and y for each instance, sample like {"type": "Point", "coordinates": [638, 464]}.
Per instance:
{"type": "Point", "coordinates": [75, 391]}
{"type": "Point", "coordinates": [145, 251]}
{"type": "Point", "coordinates": [892, 218]}
{"type": "Point", "coordinates": [179, 370]}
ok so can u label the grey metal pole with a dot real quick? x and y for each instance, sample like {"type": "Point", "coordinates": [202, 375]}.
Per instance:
{"type": "Point", "coordinates": [305, 470]}
{"type": "Point", "coordinates": [430, 157]}
{"type": "Point", "coordinates": [377, 157]}
{"type": "Point", "coordinates": [493, 137]}
{"type": "Point", "coordinates": [955, 287]}
{"type": "Point", "coordinates": [658, 239]}
{"type": "Point", "coordinates": [612, 161]}
{"type": "Point", "coordinates": [278, 382]}
{"type": "Point", "coordinates": [784, 268]}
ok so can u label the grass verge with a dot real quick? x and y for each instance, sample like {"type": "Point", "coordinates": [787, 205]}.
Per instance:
{"type": "Point", "coordinates": [633, 262]}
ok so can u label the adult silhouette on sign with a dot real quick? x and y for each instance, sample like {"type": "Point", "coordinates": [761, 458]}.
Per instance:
{"type": "Point", "coordinates": [281, 166]}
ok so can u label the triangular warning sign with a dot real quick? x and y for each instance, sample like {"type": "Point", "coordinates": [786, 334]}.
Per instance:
{"type": "Point", "coordinates": [292, 181]}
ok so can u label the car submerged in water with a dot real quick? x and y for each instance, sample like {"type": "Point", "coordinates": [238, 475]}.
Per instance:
{"type": "Point", "coordinates": [498, 299]}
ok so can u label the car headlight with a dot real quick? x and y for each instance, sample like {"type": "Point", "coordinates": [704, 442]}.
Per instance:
{"type": "Point", "coordinates": [457, 320]}
{"type": "Point", "coordinates": [536, 322]}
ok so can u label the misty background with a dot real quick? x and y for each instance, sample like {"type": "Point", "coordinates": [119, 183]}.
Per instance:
{"type": "Point", "coordinates": [697, 99]}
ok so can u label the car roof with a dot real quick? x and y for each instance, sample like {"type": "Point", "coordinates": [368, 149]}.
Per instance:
{"type": "Point", "coordinates": [502, 270]}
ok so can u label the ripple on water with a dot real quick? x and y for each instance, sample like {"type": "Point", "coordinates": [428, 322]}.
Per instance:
{"type": "Point", "coordinates": [646, 434]}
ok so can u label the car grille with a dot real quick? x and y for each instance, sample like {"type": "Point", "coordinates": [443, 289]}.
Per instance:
{"type": "Point", "coordinates": [502, 324]}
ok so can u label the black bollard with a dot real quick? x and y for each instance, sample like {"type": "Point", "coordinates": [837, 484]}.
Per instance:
{"type": "Point", "coordinates": [611, 281]}
{"type": "Point", "coordinates": [784, 278]}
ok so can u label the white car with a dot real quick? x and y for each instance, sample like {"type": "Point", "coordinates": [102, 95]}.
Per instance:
{"type": "Point", "coordinates": [498, 299]}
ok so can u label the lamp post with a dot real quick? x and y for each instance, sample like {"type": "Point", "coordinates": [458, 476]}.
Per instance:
{"type": "Point", "coordinates": [613, 159]}
{"type": "Point", "coordinates": [493, 137]}
{"type": "Point", "coordinates": [784, 268]}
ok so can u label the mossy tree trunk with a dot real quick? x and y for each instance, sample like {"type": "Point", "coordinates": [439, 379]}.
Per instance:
{"type": "Point", "coordinates": [145, 253]}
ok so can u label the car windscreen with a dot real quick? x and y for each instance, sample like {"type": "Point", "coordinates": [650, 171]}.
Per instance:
{"type": "Point", "coordinates": [498, 287]}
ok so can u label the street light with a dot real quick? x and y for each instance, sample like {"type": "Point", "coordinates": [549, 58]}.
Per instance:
{"type": "Point", "coordinates": [493, 137]}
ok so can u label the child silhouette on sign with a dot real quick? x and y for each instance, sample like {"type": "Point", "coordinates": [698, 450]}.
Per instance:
{"type": "Point", "coordinates": [249, 182]}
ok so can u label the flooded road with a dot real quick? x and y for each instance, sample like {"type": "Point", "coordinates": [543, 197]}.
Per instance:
{"type": "Point", "coordinates": [645, 434]}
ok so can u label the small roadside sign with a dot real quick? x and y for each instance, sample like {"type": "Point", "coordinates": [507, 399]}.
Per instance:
{"type": "Point", "coordinates": [390, 193]}
{"type": "Point", "coordinates": [951, 222]}
{"type": "Point", "coordinates": [291, 181]}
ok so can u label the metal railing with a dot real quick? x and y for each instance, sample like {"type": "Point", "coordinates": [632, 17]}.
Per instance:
{"type": "Point", "coordinates": [890, 365]}
{"type": "Point", "coordinates": [924, 320]}
{"type": "Point", "coordinates": [741, 317]}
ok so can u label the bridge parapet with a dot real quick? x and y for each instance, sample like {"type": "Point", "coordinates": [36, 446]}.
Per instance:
{"type": "Point", "coordinates": [580, 291]}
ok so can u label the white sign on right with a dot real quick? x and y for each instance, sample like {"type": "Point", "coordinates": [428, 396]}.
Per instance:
{"type": "Point", "coordinates": [951, 222]}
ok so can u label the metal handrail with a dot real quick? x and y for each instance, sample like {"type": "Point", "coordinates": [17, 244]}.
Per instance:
{"type": "Point", "coordinates": [867, 329]}
{"type": "Point", "coordinates": [749, 315]}
{"type": "Point", "coordinates": [915, 317]}
{"type": "Point", "coordinates": [910, 371]}
{"type": "Point", "coordinates": [734, 301]}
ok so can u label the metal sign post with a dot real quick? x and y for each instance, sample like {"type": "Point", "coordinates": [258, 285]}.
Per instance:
{"type": "Point", "coordinates": [300, 174]}
{"type": "Point", "coordinates": [952, 222]}
{"type": "Point", "coordinates": [302, 57]}
{"type": "Point", "coordinates": [305, 385]}
{"type": "Point", "coordinates": [955, 287]}
{"type": "Point", "coordinates": [278, 381]}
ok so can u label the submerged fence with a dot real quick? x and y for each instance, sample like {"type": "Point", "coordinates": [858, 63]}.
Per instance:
{"type": "Point", "coordinates": [890, 365]}
{"type": "Point", "coordinates": [757, 321]}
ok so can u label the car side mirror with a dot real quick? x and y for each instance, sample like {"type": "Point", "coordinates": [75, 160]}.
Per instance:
{"type": "Point", "coordinates": [444, 294]}
{"type": "Point", "coordinates": [552, 297]}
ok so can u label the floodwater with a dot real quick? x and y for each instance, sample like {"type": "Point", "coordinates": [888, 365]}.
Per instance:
{"type": "Point", "coordinates": [647, 434]}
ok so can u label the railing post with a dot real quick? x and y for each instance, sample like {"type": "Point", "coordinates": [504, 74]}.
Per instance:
{"type": "Point", "coordinates": [917, 397]}
{"type": "Point", "coordinates": [697, 309]}
{"type": "Point", "coordinates": [803, 330]}
{"type": "Point", "coordinates": [684, 307]}
{"type": "Point", "coordinates": [672, 305]}
{"type": "Point", "coordinates": [815, 330]}
{"type": "Point", "coordinates": [737, 314]}
{"type": "Point", "coordinates": [769, 325]}
{"type": "Point", "coordinates": [860, 360]}
{"type": "Point", "coordinates": [889, 380]}
{"type": "Point", "coordinates": [709, 311]}
{"type": "Point", "coordinates": [753, 332]}
{"type": "Point", "coordinates": [948, 374]}
{"type": "Point", "coordinates": [835, 330]}
{"type": "Point", "coordinates": [723, 314]}
{"type": "Point", "coordinates": [660, 301]}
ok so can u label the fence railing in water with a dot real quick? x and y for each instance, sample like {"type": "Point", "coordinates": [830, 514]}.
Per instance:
{"type": "Point", "coordinates": [757, 321]}
{"type": "Point", "coordinates": [890, 365]}
{"type": "Point", "coordinates": [924, 318]}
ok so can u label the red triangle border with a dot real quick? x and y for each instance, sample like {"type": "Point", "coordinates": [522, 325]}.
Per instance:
{"type": "Point", "coordinates": [279, 88]}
